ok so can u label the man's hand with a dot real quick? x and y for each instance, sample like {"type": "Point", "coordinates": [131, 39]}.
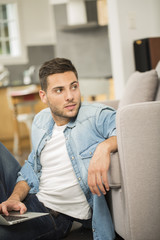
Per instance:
{"type": "Point", "coordinates": [99, 165]}
{"type": "Point", "coordinates": [14, 202]}
{"type": "Point", "coordinates": [12, 205]}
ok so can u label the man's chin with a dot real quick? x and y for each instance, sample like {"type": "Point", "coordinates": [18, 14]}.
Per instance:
{"type": "Point", "coordinates": [72, 114]}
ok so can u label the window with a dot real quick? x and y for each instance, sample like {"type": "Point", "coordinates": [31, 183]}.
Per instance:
{"type": "Point", "coordinates": [12, 47]}
{"type": "Point", "coordinates": [9, 40]}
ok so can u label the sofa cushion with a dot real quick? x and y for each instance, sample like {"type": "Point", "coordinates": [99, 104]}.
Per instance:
{"type": "Point", "coordinates": [141, 87]}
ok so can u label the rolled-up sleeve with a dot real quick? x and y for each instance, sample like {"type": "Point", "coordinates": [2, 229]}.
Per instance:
{"type": "Point", "coordinates": [106, 122]}
{"type": "Point", "coordinates": [28, 174]}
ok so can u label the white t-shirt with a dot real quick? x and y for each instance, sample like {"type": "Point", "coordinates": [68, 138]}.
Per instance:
{"type": "Point", "coordinates": [59, 188]}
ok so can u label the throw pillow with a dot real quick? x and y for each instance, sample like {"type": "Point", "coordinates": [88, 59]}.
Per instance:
{"type": "Point", "coordinates": [141, 87]}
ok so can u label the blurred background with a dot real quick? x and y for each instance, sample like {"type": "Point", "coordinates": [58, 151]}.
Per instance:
{"type": "Point", "coordinates": [97, 35]}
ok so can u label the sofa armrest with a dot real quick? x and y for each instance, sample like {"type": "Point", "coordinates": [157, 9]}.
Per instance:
{"type": "Point", "coordinates": [138, 136]}
{"type": "Point", "coordinates": [114, 171]}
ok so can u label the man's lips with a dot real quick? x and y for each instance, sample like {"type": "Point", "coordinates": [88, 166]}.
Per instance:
{"type": "Point", "coordinates": [70, 106]}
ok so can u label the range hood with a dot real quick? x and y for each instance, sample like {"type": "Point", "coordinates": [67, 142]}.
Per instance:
{"type": "Point", "coordinates": [76, 11]}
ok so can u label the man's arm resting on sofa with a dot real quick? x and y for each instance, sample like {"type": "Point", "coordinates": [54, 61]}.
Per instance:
{"type": "Point", "coordinates": [14, 202]}
{"type": "Point", "coordinates": [99, 165]}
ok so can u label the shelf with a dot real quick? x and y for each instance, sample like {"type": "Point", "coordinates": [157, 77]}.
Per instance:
{"type": "Point", "coordinates": [70, 28]}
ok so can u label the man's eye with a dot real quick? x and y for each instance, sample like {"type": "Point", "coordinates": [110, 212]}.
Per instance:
{"type": "Point", "coordinates": [58, 90]}
{"type": "Point", "coordinates": [74, 86]}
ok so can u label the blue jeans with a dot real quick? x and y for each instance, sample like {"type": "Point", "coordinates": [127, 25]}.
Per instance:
{"type": "Point", "coordinates": [46, 227]}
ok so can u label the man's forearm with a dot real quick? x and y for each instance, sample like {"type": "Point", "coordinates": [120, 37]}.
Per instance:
{"type": "Point", "coordinates": [108, 146]}
{"type": "Point", "coordinates": [99, 165]}
{"type": "Point", "coordinates": [20, 191]}
{"type": "Point", "coordinates": [111, 144]}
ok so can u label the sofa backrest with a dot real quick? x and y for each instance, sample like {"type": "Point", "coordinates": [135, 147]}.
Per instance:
{"type": "Point", "coordinates": [141, 87]}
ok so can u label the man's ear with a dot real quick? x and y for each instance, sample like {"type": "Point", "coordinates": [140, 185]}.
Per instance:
{"type": "Point", "coordinates": [43, 96]}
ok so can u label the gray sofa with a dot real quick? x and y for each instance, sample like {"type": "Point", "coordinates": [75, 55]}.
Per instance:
{"type": "Point", "coordinates": [134, 173]}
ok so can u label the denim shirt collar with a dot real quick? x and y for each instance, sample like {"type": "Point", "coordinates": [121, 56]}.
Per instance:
{"type": "Point", "coordinates": [72, 123]}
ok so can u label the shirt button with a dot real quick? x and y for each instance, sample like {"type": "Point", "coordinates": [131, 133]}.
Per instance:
{"type": "Point", "coordinates": [72, 158]}
{"type": "Point", "coordinates": [93, 230]}
{"type": "Point", "coordinates": [90, 153]}
{"type": "Point", "coordinates": [79, 179]}
{"type": "Point", "coordinates": [66, 138]}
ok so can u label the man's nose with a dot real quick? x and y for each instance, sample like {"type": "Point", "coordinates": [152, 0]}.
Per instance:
{"type": "Point", "coordinates": [69, 95]}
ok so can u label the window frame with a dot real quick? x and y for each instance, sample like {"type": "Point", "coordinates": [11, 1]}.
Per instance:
{"type": "Point", "coordinates": [22, 57]}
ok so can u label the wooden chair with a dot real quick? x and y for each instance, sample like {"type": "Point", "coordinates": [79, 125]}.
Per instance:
{"type": "Point", "coordinates": [19, 98]}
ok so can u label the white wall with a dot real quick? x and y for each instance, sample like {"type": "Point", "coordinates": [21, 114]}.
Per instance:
{"type": "Point", "coordinates": [38, 23]}
{"type": "Point", "coordinates": [129, 20]}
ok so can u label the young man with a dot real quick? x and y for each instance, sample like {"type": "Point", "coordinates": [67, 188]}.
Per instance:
{"type": "Point", "coordinates": [66, 172]}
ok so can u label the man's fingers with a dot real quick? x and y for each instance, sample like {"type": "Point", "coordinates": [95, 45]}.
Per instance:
{"type": "Point", "coordinates": [4, 210]}
{"type": "Point", "coordinates": [105, 180]}
{"type": "Point", "coordinates": [96, 183]}
{"type": "Point", "coordinates": [92, 184]}
{"type": "Point", "coordinates": [19, 207]}
{"type": "Point", "coordinates": [23, 208]}
{"type": "Point", "coordinates": [12, 205]}
{"type": "Point", "coordinates": [100, 184]}
{"type": "Point", "coordinates": [95, 190]}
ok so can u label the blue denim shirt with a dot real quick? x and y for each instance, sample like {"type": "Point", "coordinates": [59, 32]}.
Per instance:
{"type": "Point", "coordinates": [93, 124]}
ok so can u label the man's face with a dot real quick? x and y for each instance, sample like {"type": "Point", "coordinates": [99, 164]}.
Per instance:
{"type": "Point", "coordinates": [62, 96]}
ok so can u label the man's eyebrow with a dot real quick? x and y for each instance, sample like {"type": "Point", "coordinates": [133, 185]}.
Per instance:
{"type": "Point", "coordinates": [58, 87]}
{"type": "Point", "coordinates": [64, 86]}
{"type": "Point", "coordinates": [74, 82]}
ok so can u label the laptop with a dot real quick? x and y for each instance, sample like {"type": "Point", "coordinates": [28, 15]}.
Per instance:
{"type": "Point", "coordinates": [16, 217]}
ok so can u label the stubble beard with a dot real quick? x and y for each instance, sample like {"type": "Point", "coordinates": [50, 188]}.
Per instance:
{"type": "Point", "coordinates": [62, 115]}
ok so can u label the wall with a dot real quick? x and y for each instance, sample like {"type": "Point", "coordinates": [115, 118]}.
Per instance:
{"type": "Point", "coordinates": [128, 21]}
{"type": "Point", "coordinates": [88, 48]}
{"type": "Point", "coordinates": [38, 23]}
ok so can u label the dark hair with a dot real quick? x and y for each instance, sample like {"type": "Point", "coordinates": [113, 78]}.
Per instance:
{"type": "Point", "coordinates": [56, 65]}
